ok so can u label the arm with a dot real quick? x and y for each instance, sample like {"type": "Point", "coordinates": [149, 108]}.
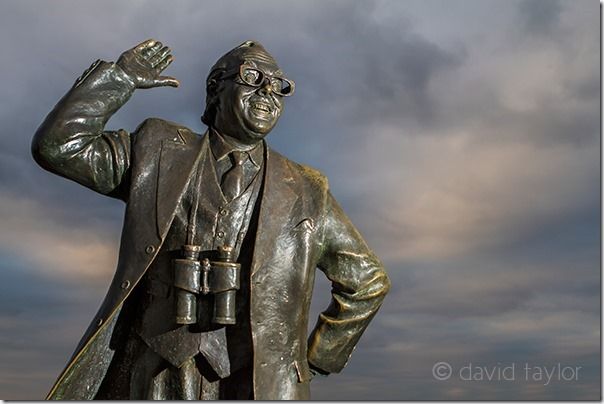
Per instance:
{"type": "Point", "coordinates": [359, 285]}
{"type": "Point", "coordinates": [72, 142]}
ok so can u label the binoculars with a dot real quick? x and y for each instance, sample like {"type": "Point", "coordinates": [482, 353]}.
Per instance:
{"type": "Point", "coordinates": [218, 277]}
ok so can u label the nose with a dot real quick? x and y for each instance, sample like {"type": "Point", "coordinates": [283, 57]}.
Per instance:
{"type": "Point", "coordinates": [265, 87]}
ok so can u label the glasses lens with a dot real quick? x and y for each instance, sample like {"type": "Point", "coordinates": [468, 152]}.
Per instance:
{"type": "Point", "coordinates": [256, 78]}
{"type": "Point", "coordinates": [282, 86]}
{"type": "Point", "coordinates": [252, 76]}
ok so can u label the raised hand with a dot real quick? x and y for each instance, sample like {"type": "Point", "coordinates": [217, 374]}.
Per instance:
{"type": "Point", "coordinates": [144, 63]}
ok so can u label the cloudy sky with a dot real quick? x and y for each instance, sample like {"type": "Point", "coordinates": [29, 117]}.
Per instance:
{"type": "Point", "coordinates": [461, 137]}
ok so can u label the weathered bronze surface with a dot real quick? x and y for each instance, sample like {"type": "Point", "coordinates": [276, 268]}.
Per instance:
{"type": "Point", "coordinates": [221, 239]}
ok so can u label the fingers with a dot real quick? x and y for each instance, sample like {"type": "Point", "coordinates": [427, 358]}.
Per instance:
{"type": "Point", "coordinates": [156, 54]}
{"type": "Point", "coordinates": [144, 45]}
{"type": "Point", "coordinates": [164, 63]}
{"type": "Point", "coordinates": [151, 50]}
{"type": "Point", "coordinates": [165, 81]}
{"type": "Point", "coordinates": [159, 56]}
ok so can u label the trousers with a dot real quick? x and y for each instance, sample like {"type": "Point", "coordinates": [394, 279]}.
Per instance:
{"type": "Point", "coordinates": [153, 378]}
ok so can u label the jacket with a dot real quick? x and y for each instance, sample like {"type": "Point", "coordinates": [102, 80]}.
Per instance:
{"type": "Point", "coordinates": [300, 228]}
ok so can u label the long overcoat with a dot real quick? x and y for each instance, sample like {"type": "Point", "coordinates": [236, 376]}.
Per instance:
{"type": "Point", "coordinates": [300, 228]}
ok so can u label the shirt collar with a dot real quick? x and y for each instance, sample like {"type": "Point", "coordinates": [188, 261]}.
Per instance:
{"type": "Point", "coordinates": [221, 148]}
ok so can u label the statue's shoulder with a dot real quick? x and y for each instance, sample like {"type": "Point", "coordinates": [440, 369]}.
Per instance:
{"type": "Point", "coordinates": [306, 174]}
{"type": "Point", "coordinates": [311, 174]}
{"type": "Point", "coordinates": [157, 129]}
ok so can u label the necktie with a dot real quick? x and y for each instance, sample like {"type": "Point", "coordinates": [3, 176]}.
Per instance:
{"type": "Point", "coordinates": [232, 181]}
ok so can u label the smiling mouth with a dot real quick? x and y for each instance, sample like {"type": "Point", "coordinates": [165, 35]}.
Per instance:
{"type": "Point", "coordinates": [261, 107]}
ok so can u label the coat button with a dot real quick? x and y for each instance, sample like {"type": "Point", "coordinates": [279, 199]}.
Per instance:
{"type": "Point", "coordinates": [150, 249]}
{"type": "Point", "coordinates": [220, 234]}
{"type": "Point", "coordinates": [125, 285]}
{"type": "Point", "coordinates": [223, 212]}
{"type": "Point", "coordinates": [99, 322]}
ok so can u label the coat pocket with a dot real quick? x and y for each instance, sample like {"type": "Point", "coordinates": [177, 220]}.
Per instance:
{"type": "Point", "coordinates": [304, 226]}
{"type": "Point", "coordinates": [302, 371]}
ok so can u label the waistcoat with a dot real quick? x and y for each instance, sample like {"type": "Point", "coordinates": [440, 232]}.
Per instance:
{"type": "Point", "coordinates": [204, 217]}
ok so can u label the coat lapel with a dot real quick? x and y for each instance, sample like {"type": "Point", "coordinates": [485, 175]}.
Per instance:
{"type": "Point", "coordinates": [277, 200]}
{"type": "Point", "coordinates": [178, 158]}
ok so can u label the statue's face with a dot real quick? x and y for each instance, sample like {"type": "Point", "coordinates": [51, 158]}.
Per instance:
{"type": "Point", "coordinates": [246, 112]}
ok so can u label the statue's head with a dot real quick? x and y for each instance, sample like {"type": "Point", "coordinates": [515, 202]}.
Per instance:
{"type": "Point", "coordinates": [245, 91]}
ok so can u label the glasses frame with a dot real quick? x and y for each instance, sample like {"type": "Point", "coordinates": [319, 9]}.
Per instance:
{"type": "Point", "coordinates": [264, 77]}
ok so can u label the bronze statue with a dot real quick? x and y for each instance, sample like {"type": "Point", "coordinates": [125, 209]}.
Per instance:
{"type": "Point", "coordinates": [221, 239]}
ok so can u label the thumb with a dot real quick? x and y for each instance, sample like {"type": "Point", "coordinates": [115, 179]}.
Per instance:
{"type": "Point", "coordinates": [165, 81]}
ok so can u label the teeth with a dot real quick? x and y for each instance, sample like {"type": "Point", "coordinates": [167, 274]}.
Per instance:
{"type": "Point", "coordinates": [261, 107]}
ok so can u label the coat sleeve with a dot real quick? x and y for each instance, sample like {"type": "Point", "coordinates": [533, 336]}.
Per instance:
{"type": "Point", "coordinates": [72, 143]}
{"type": "Point", "coordinates": [359, 285]}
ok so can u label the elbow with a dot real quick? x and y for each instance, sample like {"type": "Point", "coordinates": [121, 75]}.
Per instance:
{"type": "Point", "coordinates": [380, 280]}
{"type": "Point", "coordinates": [377, 287]}
{"type": "Point", "coordinates": [46, 148]}
{"type": "Point", "coordinates": [46, 145]}
{"type": "Point", "coordinates": [384, 284]}
{"type": "Point", "coordinates": [38, 151]}
{"type": "Point", "coordinates": [41, 151]}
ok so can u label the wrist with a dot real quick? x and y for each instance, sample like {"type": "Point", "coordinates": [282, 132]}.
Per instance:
{"type": "Point", "coordinates": [122, 75]}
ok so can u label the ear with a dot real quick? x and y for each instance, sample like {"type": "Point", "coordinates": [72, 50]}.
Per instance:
{"type": "Point", "coordinates": [212, 87]}
{"type": "Point", "coordinates": [212, 102]}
